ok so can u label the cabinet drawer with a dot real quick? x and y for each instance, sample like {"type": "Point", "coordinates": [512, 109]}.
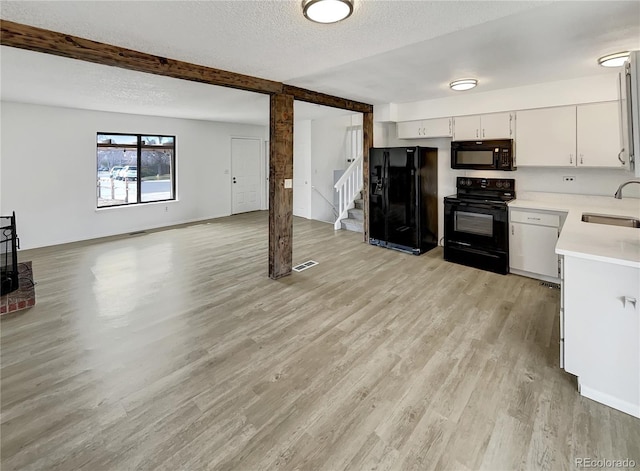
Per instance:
{"type": "Point", "coordinates": [539, 219]}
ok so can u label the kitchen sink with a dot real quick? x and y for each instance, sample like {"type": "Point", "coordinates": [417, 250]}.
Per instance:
{"type": "Point", "coordinates": [625, 221]}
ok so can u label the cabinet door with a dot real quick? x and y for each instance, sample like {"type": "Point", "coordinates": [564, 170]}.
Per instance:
{"type": "Point", "coordinates": [466, 128]}
{"type": "Point", "coordinates": [532, 249]}
{"type": "Point", "coordinates": [409, 129]}
{"type": "Point", "coordinates": [598, 127]}
{"type": "Point", "coordinates": [439, 127]}
{"type": "Point", "coordinates": [602, 331]}
{"type": "Point", "coordinates": [546, 137]}
{"type": "Point", "coordinates": [496, 126]}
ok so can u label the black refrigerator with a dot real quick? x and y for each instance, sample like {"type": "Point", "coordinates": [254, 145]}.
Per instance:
{"type": "Point", "coordinates": [403, 198]}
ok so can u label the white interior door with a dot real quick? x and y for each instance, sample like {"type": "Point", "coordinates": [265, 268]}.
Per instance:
{"type": "Point", "coordinates": [246, 184]}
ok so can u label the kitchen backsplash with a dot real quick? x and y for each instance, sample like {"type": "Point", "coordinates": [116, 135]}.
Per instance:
{"type": "Point", "coordinates": [602, 182]}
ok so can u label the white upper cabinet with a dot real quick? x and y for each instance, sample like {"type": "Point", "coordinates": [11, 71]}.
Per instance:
{"type": "Point", "coordinates": [486, 126]}
{"type": "Point", "coordinates": [546, 137]}
{"type": "Point", "coordinates": [466, 128]}
{"type": "Point", "coordinates": [497, 126]}
{"type": "Point", "coordinates": [409, 129]}
{"type": "Point", "coordinates": [569, 136]}
{"type": "Point", "coordinates": [438, 127]}
{"type": "Point", "coordinates": [598, 135]}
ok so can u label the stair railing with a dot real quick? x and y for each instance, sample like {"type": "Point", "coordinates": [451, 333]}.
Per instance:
{"type": "Point", "coordinates": [333, 208]}
{"type": "Point", "coordinates": [348, 187]}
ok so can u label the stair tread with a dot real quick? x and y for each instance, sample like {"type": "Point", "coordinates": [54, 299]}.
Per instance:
{"type": "Point", "coordinates": [350, 224]}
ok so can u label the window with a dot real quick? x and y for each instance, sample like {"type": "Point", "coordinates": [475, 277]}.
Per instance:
{"type": "Point", "coordinates": [134, 168]}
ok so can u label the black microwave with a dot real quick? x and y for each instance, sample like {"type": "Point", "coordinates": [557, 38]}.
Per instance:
{"type": "Point", "coordinates": [483, 155]}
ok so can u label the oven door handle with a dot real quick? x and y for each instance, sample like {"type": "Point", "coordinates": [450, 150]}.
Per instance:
{"type": "Point", "coordinates": [481, 206]}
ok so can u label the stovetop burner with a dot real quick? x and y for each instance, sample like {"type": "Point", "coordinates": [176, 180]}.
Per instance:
{"type": "Point", "coordinates": [486, 189]}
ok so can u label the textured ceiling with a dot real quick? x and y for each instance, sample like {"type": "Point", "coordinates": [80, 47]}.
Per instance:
{"type": "Point", "coordinates": [268, 39]}
{"type": "Point", "coordinates": [77, 84]}
{"type": "Point", "coordinates": [387, 51]}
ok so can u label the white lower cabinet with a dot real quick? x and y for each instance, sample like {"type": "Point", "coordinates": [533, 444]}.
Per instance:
{"type": "Point", "coordinates": [532, 243]}
{"type": "Point", "coordinates": [602, 331]}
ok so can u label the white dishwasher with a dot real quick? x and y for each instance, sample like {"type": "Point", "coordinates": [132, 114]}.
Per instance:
{"type": "Point", "coordinates": [532, 242]}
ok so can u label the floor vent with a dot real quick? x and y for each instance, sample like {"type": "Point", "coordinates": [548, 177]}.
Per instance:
{"type": "Point", "coordinates": [547, 284]}
{"type": "Point", "coordinates": [305, 265]}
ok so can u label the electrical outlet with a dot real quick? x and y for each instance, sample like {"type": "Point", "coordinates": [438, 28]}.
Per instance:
{"type": "Point", "coordinates": [569, 178]}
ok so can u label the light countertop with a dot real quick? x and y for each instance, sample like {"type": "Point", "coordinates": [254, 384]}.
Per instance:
{"type": "Point", "coordinates": [601, 242]}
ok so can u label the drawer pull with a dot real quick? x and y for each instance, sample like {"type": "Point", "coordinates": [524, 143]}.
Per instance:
{"type": "Point", "coordinates": [533, 219]}
{"type": "Point", "coordinates": [628, 300]}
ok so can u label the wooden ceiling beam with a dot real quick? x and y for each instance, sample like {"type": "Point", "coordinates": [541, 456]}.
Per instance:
{"type": "Point", "coordinates": [318, 98]}
{"type": "Point", "coordinates": [60, 44]}
{"type": "Point", "coordinates": [42, 40]}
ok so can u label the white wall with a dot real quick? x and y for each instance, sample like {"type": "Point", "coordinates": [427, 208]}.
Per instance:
{"type": "Point", "coordinates": [328, 153]}
{"type": "Point", "coordinates": [320, 146]}
{"type": "Point", "coordinates": [565, 92]}
{"type": "Point", "coordinates": [302, 168]}
{"type": "Point", "coordinates": [48, 166]}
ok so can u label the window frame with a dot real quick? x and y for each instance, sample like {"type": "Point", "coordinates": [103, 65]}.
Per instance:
{"type": "Point", "coordinates": [139, 148]}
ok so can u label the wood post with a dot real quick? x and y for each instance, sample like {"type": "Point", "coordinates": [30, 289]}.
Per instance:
{"type": "Point", "coordinates": [367, 138]}
{"type": "Point", "coordinates": [281, 186]}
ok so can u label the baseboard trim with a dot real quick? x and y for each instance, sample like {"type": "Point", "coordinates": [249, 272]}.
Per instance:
{"type": "Point", "coordinates": [116, 235]}
{"type": "Point", "coordinates": [609, 400]}
{"type": "Point", "coordinates": [535, 276]}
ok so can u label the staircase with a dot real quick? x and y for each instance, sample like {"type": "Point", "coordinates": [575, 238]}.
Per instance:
{"type": "Point", "coordinates": [349, 186]}
{"type": "Point", "coordinates": [355, 217]}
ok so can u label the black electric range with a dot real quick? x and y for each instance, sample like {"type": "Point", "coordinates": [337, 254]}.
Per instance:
{"type": "Point", "coordinates": [476, 223]}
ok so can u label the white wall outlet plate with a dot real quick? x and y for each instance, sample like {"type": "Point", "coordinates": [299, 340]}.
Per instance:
{"type": "Point", "coordinates": [288, 183]}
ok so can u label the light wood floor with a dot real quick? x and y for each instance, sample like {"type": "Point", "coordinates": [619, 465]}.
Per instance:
{"type": "Point", "coordinates": [174, 351]}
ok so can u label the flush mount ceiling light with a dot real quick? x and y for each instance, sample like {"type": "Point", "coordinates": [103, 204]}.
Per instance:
{"type": "Point", "coordinates": [614, 60]}
{"type": "Point", "coordinates": [327, 11]}
{"type": "Point", "coordinates": [464, 84]}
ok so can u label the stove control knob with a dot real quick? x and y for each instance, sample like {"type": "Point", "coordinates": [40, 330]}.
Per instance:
{"type": "Point", "coordinates": [498, 184]}
{"type": "Point", "coordinates": [468, 182]}
{"type": "Point", "coordinates": [507, 184]}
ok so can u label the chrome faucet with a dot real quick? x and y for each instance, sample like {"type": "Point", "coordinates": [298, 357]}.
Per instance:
{"type": "Point", "coordinates": [618, 194]}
